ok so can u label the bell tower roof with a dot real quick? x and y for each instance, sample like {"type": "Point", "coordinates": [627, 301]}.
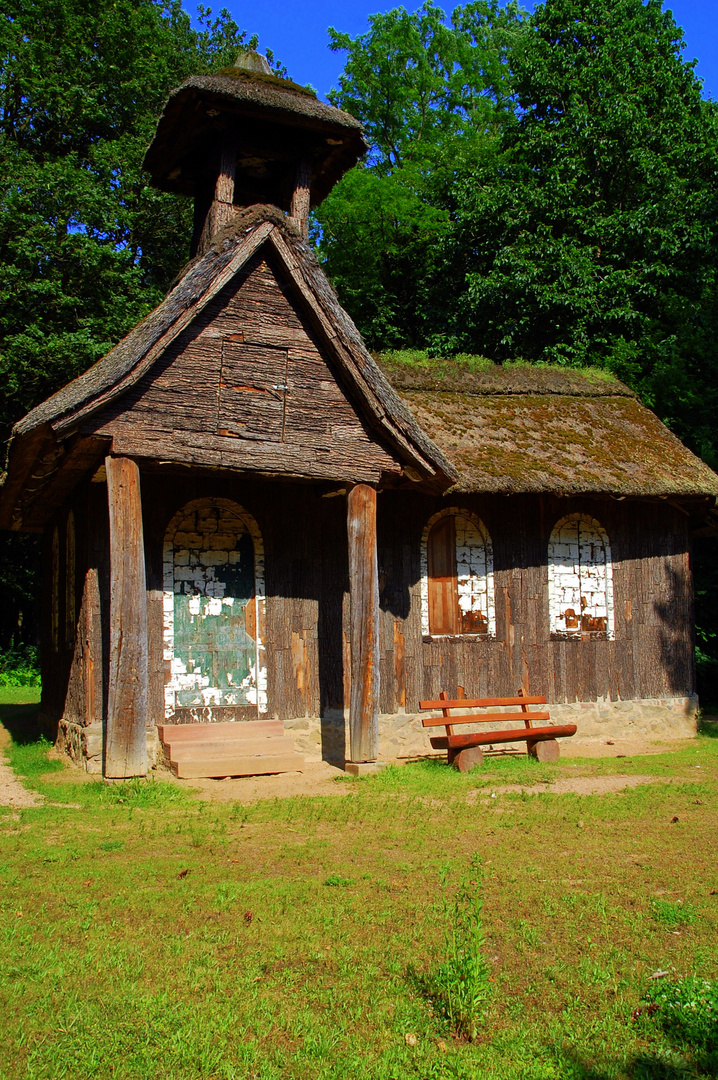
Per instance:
{"type": "Point", "coordinates": [272, 122]}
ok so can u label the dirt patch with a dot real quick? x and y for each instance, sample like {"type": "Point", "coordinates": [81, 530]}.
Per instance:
{"type": "Point", "coordinates": [12, 792]}
{"type": "Point", "coordinates": [317, 778]}
{"type": "Point", "coordinates": [575, 785]}
{"type": "Point", "coordinates": [592, 748]}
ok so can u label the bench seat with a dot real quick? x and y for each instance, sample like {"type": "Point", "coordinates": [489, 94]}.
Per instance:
{"type": "Point", "coordinates": [464, 748]}
{"type": "Point", "coordinates": [486, 738]}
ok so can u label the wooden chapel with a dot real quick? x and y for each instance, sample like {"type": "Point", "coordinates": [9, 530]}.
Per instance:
{"type": "Point", "coordinates": [248, 376]}
{"type": "Point", "coordinates": [258, 541]}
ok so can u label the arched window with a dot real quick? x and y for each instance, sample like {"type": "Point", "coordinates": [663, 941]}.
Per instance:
{"type": "Point", "coordinates": [457, 579]}
{"type": "Point", "coordinates": [580, 578]}
{"type": "Point", "coordinates": [214, 612]}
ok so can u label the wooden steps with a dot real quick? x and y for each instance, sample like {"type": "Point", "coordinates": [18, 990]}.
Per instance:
{"type": "Point", "coordinates": [249, 748]}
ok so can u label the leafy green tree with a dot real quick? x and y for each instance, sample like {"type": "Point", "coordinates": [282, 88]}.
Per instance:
{"type": "Point", "coordinates": [431, 94]}
{"type": "Point", "coordinates": [87, 248]}
{"type": "Point", "coordinates": [413, 79]}
{"type": "Point", "coordinates": [595, 243]}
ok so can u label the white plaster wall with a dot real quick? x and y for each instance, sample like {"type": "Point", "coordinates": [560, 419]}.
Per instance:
{"type": "Point", "coordinates": [580, 576]}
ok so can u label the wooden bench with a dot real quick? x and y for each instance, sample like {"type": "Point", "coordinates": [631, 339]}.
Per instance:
{"type": "Point", "coordinates": [464, 749]}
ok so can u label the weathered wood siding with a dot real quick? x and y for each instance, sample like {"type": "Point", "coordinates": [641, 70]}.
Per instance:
{"type": "Point", "coordinates": [651, 655]}
{"type": "Point", "coordinates": [73, 664]}
{"type": "Point", "coordinates": [306, 574]}
{"type": "Point", "coordinates": [306, 581]}
{"type": "Point", "coordinates": [247, 387]}
{"type": "Point", "coordinates": [305, 543]}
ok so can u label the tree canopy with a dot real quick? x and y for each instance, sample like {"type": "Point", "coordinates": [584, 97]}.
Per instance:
{"type": "Point", "coordinates": [87, 248]}
{"type": "Point", "coordinates": [596, 241]}
{"type": "Point", "coordinates": [570, 218]}
{"type": "Point", "coordinates": [431, 94]}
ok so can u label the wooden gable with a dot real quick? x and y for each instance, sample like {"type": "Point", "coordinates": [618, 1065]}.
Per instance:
{"type": "Point", "coordinates": [248, 385]}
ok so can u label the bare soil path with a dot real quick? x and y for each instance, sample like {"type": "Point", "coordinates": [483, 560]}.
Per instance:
{"type": "Point", "coordinates": [12, 792]}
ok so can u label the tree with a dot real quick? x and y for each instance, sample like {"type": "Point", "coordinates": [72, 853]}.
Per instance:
{"type": "Point", "coordinates": [413, 79]}
{"type": "Point", "coordinates": [430, 94]}
{"type": "Point", "coordinates": [87, 248]}
{"type": "Point", "coordinates": [596, 243]}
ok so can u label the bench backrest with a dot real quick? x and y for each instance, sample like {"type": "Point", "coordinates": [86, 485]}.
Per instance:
{"type": "Point", "coordinates": [447, 704]}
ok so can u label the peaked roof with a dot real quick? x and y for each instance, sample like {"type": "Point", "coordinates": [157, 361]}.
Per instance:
{"type": "Point", "coordinates": [541, 429]}
{"type": "Point", "coordinates": [236, 99]}
{"type": "Point", "coordinates": [198, 283]}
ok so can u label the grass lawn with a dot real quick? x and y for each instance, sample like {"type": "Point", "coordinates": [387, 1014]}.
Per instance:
{"type": "Point", "coordinates": [146, 933]}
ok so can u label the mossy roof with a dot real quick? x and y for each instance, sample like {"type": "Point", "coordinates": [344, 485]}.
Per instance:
{"type": "Point", "coordinates": [540, 429]}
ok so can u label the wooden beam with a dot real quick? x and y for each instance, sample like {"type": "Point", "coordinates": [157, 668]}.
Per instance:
{"type": "Point", "coordinates": [301, 196]}
{"type": "Point", "coordinates": [221, 209]}
{"type": "Point", "coordinates": [364, 623]}
{"type": "Point", "coordinates": [126, 734]}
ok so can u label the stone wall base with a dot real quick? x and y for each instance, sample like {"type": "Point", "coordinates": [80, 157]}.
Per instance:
{"type": "Point", "coordinates": [84, 745]}
{"type": "Point", "coordinates": [402, 736]}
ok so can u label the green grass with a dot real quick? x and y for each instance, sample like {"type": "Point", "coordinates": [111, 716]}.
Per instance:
{"type": "Point", "coordinates": [10, 695]}
{"type": "Point", "coordinates": [145, 933]}
{"type": "Point", "coordinates": [420, 358]}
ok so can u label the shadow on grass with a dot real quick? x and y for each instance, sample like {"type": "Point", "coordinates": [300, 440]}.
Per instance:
{"type": "Point", "coordinates": [708, 727]}
{"type": "Point", "coordinates": [431, 775]}
{"type": "Point", "coordinates": [21, 723]}
{"type": "Point", "coordinates": [661, 1064]}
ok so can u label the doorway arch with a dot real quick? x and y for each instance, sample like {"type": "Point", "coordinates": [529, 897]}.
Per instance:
{"type": "Point", "coordinates": [214, 614]}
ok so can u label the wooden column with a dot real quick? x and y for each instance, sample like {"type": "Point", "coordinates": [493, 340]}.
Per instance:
{"type": "Point", "coordinates": [299, 211]}
{"type": "Point", "coordinates": [221, 210]}
{"type": "Point", "coordinates": [364, 624]}
{"type": "Point", "coordinates": [126, 732]}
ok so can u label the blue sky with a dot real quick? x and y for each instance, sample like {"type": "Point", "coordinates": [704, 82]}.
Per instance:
{"type": "Point", "coordinates": [297, 32]}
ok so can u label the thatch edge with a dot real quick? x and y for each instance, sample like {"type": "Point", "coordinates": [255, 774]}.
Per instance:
{"type": "Point", "coordinates": [119, 369]}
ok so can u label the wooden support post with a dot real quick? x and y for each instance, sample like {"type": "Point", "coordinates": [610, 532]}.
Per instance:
{"type": "Point", "coordinates": [126, 733]}
{"type": "Point", "coordinates": [364, 624]}
{"type": "Point", "coordinates": [221, 209]}
{"type": "Point", "coordinates": [301, 196]}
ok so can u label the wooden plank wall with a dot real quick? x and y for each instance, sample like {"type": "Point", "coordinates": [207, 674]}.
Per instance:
{"type": "Point", "coordinates": [305, 540]}
{"type": "Point", "coordinates": [307, 592]}
{"type": "Point", "coordinates": [306, 580]}
{"type": "Point", "coordinates": [650, 657]}
{"type": "Point", "coordinates": [74, 674]}
{"type": "Point", "coordinates": [247, 387]}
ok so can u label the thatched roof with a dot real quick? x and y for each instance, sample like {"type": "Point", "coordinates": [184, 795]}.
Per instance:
{"type": "Point", "coordinates": [541, 429]}
{"type": "Point", "coordinates": [382, 409]}
{"type": "Point", "coordinates": [274, 121]}
{"type": "Point", "coordinates": [506, 430]}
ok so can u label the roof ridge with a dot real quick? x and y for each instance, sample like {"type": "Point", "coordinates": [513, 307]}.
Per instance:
{"type": "Point", "coordinates": [202, 279]}
{"type": "Point", "coordinates": [504, 381]}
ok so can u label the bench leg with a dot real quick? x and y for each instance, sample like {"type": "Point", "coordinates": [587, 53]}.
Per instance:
{"type": "Point", "coordinates": [467, 759]}
{"type": "Point", "coordinates": [546, 750]}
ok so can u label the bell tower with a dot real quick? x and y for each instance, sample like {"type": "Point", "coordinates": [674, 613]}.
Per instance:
{"type": "Point", "coordinates": [244, 136]}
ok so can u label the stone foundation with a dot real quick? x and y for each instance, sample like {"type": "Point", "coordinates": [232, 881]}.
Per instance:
{"type": "Point", "coordinates": [84, 744]}
{"type": "Point", "coordinates": [402, 735]}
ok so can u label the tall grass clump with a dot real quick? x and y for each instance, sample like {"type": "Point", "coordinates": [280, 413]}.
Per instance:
{"type": "Point", "coordinates": [460, 984]}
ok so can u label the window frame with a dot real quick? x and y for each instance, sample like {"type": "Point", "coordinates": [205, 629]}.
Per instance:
{"type": "Point", "coordinates": [475, 520]}
{"type": "Point", "coordinates": [580, 634]}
